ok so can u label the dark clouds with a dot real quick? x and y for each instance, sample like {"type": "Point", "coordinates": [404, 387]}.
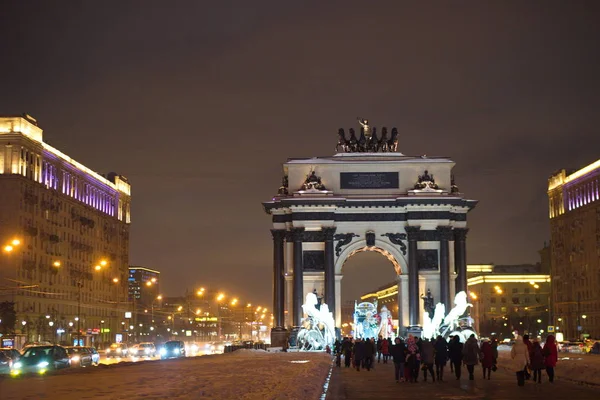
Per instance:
{"type": "Point", "coordinates": [199, 103]}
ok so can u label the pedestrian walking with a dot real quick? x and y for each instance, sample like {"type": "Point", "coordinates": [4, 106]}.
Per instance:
{"type": "Point", "coordinates": [550, 352]}
{"type": "Point", "coordinates": [487, 359]}
{"type": "Point", "coordinates": [455, 351]}
{"type": "Point", "coordinates": [379, 348]}
{"type": "Point", "coordinates": [398, 352]}
{"type": "Point", "coordinates": [520, 359]}
{"type": "Point", "coordinates": [369, 353]}
{"type": "Point", "coordinates": [359, 353]}
{"type": "Point", "coordinates": [471, 355]}
{"type": "Point", "coordinates": [537, 361]}
{"type": "Point", "coordinates": [385, 350]}
{"type": "Point", "coordinates": [412, 360]}
{"type": "Point", "coordinates": [441, 357]}
{"type": "Point", "coordinates": [427, 359]}
{"type": "Point", "coordinates": [495, 354]}
{"type": "Point", "coordinates": [347, 350]}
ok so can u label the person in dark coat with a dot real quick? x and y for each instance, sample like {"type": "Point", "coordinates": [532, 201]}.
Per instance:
{"type": "Point", "coordinates": [337, 350]}
{"type": "Point", "coordinates": [487, 359]}
{"type": "Point", "coordinates": [379, 351]}
{"type": "Point", "coordinates": [369, 353]}
{"type": "Point", "coordinates": [536, 358]}
{"type": "Point", "coordinates": [347, 350]}
{"type": "Point", "coordinates": [441, 356]}
{"type": "Point", "coordinates": [398, 353]}
{"type": "Point", "coordinates": [529, 347]}
{"type": "Point", "coordinates": [359, 353]}
{"type": "Point", "coordinates": [427, 358]}
{"type": "Point", "coordinates": [455, 351]}
{"type": "Point", "coordinates": [471, 355]}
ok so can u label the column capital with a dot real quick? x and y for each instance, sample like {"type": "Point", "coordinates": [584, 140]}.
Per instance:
{"type": "Point", "coordinates": [445, 232]}
{"type": "Point", "coordinates": [328, 233]}
{"type": "Point", "coordinates": [412, 232]}
{"type": "Point", "coordinates": [297, 234]}
{"type": "Point", "coordinates": [278, 234]}
{"type": "Point", "coordinates": [460, 233]}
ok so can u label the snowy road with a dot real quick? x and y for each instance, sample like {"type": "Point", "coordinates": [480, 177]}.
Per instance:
{"type": "Point", "coordinates": [241, 375]}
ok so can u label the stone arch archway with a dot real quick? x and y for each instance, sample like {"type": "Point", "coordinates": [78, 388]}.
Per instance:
{"type": "Point", "coordinates": [381, 247]}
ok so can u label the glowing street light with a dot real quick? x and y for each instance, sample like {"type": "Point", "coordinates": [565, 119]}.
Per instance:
{"type": "Point", "coordinates": [15, 242]}
{"type": "Point", "coordinates": [234, 301]}
{"type": "Point", "coordinates": [473, 295]}
{"type": "Point", "coordinates": [220, 297]}
{"type": "Point", "coordinates": [8, 248]}
{"type": "Point", "coordinates": [179, 308]}
{"type": "Point", "coordinates": [584, 316]}
{"type": "Point", "coordinates": [116, 280]}
{"type": "Point", "coordinates": [159, 297]}
{"type": "Point", "coordinates": [103, 263]}
{"type": "Point", "coordinates": [97, 268]}
{"type": "Point", "coordinates": [149, 283]}
{"type": "Point", "coordinates": [56, 263]}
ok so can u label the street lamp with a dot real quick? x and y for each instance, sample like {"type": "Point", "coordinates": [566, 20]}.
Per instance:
{"type": "Point", "coordinates": [56, 264]}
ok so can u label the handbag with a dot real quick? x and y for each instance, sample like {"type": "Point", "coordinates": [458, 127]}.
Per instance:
{"type": "Point", "coordinates": [494, 368]}
{"type": "Point", "coordinates": [526, 372]}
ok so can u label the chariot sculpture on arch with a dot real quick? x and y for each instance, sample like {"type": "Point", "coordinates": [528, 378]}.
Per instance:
{"type": "Point", "coordinates": [367, 142]}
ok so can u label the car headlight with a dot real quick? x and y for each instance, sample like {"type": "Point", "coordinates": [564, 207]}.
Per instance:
{"type": "Point", "coordinates": [43, 364]}
{"type": "Point", "coordinates": [119, 350]}
{"type": "Point", "coordinates": [74, 358]}
{"type": "Point", "coordinates": [17, 365]}
{"type": "Point", "coordinates": [147, 351]}
{"type": "Point", "coordinates": [194, 347]}
{"type": "Point", "coordinates": [176, 351]}
{"type": "Point", "coordinates": [163, 352]}
{"type": "Point", "coordinates": [107, 351]}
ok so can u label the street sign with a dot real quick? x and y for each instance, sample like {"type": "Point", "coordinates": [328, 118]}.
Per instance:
{"type": "Point", "coordinates": [550, 329]}
{"type": "Point", "coordinates": [579, 328]}
{"type": "Point", "coordinates": [128, 314]}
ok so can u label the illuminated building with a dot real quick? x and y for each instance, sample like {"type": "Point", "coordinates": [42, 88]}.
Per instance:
{"type": "Point", "coordinates": [574, 204]}
{"type": "Point", "coordinates": [515, 295]}
{"type": "Point", "coordinates": [143, 285]}
{"type": "Point", "coordinates": [73, 227]}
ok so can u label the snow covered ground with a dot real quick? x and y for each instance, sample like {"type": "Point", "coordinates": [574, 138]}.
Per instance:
{"type": "Point", "coordinates": [244, 374]}
{"type": "Point", "coordinates": [581, 368]}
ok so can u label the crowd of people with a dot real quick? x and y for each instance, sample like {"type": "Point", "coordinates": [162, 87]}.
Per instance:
{"type": "Point", "coordinates": [413, 355]}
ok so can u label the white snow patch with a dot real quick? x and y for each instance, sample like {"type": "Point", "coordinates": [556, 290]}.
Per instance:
{"type": "Point", "coordinates": [241, 375]}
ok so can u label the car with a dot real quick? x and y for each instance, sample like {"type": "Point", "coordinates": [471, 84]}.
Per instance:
{"type": "Point", "coordinates": [5, 363]}
{"type": "Point", "coordinates": [40, 359]}
{"type": "Point", "coordinates": [172, 349]}
{"type": "Point", "coordinates": [145, 349]}
{"type": "Point", "coordinates": [79, 356]}
{"type": "Point", "coordinates": [12, 353]}
{"type": "Point", "coordinates": [117, 350]}
{"type": "Point", "coordinates": [95, 355]}
{"type": "Point", "coordinates": [572, 347]}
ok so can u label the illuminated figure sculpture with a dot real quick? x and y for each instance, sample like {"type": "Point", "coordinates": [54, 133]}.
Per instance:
{"type": "Point", "coordinates": [455, 323]}
{"type": "Point", "coordinates": [386, 327]}
{"type": "Point", "coordinates": [318, 330]}
{"type": "Point", "coordinates": [365, 320]}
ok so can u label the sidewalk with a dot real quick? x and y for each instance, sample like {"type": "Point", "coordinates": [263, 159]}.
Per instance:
{"type": "Point", "coordinates": [379, 383]}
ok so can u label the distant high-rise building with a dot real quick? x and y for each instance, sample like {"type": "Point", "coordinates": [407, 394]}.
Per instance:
{"type": "Point", "coordinates": [144, 285]}
{"type": "Point", "coordinates": [574, 202]}
{"type": "Point", "coordinates": [64, 232]}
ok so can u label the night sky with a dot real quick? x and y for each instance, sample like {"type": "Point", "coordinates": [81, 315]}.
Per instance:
{"type": "Point", "coordinates": [199, 103]}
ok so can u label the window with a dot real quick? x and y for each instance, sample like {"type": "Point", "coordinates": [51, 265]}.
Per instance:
{"type": "Point", "coordinates": [493, 309]}
{"type": "Point", "coordinates": [515, 290]}
{"type": "Point", "coordinates": [526, 290]}
{"type": "Point", "coordinates": [493, 300]}
{"type": "Point", "coordinates": [503, 309]}
{"type": "Point", "coordinates": [515, 300]}
{"type": "Point", "coordinates": [503, 300]}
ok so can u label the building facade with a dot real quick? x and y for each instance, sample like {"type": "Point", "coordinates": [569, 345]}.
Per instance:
{"type": "Point", "coordinates": [64, 230]}
{"type": "Point", "coordinates": [367, 197]}
{"type": "Point", "coordinates": [574, 203]}
{"type": "Point", "coordinates": [144, 286]}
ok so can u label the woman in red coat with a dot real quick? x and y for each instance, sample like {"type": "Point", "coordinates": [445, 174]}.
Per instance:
{"type": "Point", "coordinates": [487, 359]}
{"type": "Point", "coordinates": [385, 350]}
{"type": "Point", "coordinates": [550, 352]}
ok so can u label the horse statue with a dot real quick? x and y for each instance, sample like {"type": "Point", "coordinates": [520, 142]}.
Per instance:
{"type": "Point", "coordinates": [362, 141]}
{"type": "Point", "coordinates": [372, 142]}
{"type": "Point", "coordinates": [342, 142]}
{"type": "Point", "coordinates": [352, 142]}
{"type": "Point", "coordinates": [393, 142]}
{"type": "Point", "coordinates": [382, 145]}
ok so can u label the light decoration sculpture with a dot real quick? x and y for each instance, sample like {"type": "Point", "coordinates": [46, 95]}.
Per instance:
{"type": "Point", "coordinates": [318, 330]}
{"type": "Point", "coordinates": [452, 324]}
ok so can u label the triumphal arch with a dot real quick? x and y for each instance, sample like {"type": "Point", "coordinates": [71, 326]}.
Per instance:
{"type": "Point", "coordinates": [367, 197]}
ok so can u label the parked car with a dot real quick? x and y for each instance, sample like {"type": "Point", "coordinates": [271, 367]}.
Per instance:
{"type": "Point", "coordinates": [41, 359]}
{"type": "Point", "coordinates": [79, 356]}
{"type": "Point", "coordinates": [14, 354]}
{"type": "Point", "coordinates": [95, 355]}
{"type": "Point", "coordinates": [117, 350]}
{"type": "Point", "coordinates": [145, 349]}
{"type": "Point", "coordinates": [572, 347]}
{"type": "Point", "coordinates": [172, 349]}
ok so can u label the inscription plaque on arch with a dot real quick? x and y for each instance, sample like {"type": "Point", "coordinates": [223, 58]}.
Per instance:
{"type": "Point", "coordinates": [369, 180]}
